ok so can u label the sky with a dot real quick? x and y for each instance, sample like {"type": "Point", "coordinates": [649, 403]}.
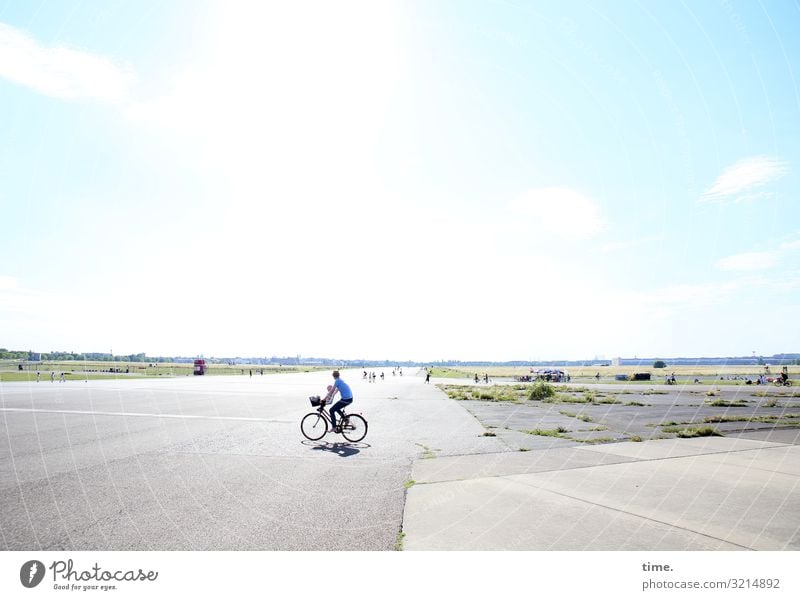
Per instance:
{"type": "Point", "coordinates": [481, 180]}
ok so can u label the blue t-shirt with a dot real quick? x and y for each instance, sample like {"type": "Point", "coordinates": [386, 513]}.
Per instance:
{"type": "Point", "coordinates": [344, 389]}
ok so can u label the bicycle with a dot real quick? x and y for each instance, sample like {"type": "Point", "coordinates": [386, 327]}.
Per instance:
{"type": "Point", "coordinates": [316, 424]}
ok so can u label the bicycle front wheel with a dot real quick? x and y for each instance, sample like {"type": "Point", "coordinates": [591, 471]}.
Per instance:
{"type": "Point", "coordinates": [313, 426]}
{"type": "Point", "coordinates": [354, 428]}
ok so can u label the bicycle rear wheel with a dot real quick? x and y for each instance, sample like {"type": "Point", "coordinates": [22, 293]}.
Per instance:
{"type": "Point", "coordinates": [354, 428]}
{"type": "Point", "coordinates": [313, 426]}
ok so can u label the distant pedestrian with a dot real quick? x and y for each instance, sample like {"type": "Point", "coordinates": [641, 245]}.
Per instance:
{"type": "Point", "coordinates": [486, 378]}
{"type": "Point", "coordinates": [52, 376]}
{"type": "Point", "coordinates": [37, 376]}
{"type": "Point", "coordinates": [427, 376]}
{"type": "Point", "coordinates": [61, 378]}
{"type": "Point", "coordinates": [476, 378]}
{"type": "Point", "coordinates": [381, 375]}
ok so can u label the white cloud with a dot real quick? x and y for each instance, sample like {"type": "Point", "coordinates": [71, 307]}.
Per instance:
{"type": "Point", "coordinates": [61, 72]}
{"type": "Point", "coordinates": [755, 261]}
{"type": "Point", "coordinates": [562, 211]}
{"type": "Point", "coordinates": [8, 283]}
{"type": "Point", "coordinates": [795, 245]}
{"type": "Point", "coordinates": [620, 245]}
{"type": "Point", "coordinates": [743, 177]}
{"type": "Point", "coordinates": [748, 261]}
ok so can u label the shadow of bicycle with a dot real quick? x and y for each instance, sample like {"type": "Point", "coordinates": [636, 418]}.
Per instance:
{"type": "Point", "coordinates": [343, 449]}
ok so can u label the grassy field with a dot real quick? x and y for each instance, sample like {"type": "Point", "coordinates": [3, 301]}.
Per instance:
{"type": "Point", "coordinates": [76, 370]}
{"type": "Point", "coordinates": [705, 373]}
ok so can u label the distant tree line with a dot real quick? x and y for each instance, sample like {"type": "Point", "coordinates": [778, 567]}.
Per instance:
{"type": "Point", "coordinates": [23, 355]}
{"type": "Point", "coordinates": [55, 355]}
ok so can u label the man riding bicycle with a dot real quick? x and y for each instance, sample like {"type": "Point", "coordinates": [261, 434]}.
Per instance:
{"type": "Point", "coordinates": [346, 398]}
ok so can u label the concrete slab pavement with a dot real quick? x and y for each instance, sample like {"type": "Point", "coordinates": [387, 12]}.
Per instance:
{"type": "Point", "coordinates": [710, 494]}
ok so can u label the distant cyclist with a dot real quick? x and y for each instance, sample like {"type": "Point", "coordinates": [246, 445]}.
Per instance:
{"type": "Point", "coordinates": [346, 398]}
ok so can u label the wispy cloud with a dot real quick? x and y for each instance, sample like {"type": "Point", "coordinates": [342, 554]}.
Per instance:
{"type": "Point", "coordinates": [621, 245]}
{"type": "Point", "coordinates": [562, 211]}
{"type": "Point", "coordinates": [758, 261]}
{"type": "Point", "coordinates": [8, 283]}
{"type": "Point", "coordinates": [61, 72]}
{"type": "Point", "coordinates": [793, 245]}
{"type": "Point", "coordinates": [742, 178]}
{"type": "Point", "coordinates": [749, 261]}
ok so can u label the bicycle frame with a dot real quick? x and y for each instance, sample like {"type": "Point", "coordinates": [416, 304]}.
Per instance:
{"type": "Point", "coordinates": [321, 410]}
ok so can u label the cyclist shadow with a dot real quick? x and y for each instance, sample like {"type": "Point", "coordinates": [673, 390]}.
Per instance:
{"type": "Point", "coordinates": [342, 449]}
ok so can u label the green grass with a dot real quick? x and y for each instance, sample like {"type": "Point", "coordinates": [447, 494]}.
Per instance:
{"type": "Point", "coordinates": [692, 432]}
{"type": "Point", "coordinates": [45, 377]}
{"type": "Point", "coordinates": [558, 432]}
{"type": "Point", "coordinates": [495, 393]}
{"type": "Point", "coordinates": [588, 398]}
{"type": "Point", "coordinates": [566, 399]}
{"type": "Point", "coordinates": [754, 419]}
{"type": "Point", "coordinates": [445, 372]}
{"type": "Point", "coordinates": [541, 390]}
{"type": "Point", "coordinates": [723, 403]}
{"type": "Point", "coordinates": [426, 451]}
{"type": "Point", "coordinates": [409, 484]}
{"type": "Point", "coordinates": [609, 400]}
{"type": "Point", "coordinates": [634, 403]}
{"type": "Point", "coordinates": [100, 370]}
{"type": "Point", "coordinates": [398, 541]}
{"type": "Point", "coordinates": [584, 418]}
{"type": "Point", "coordinates": [456, 392]}
{"type": "Point", "coordinates": [635, 438]}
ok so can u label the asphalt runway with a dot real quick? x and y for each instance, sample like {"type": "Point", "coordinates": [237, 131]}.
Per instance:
{"type": "Point", "coordinates": [219, 463]}
{"type": "Point", "coordinates": [214, 463]}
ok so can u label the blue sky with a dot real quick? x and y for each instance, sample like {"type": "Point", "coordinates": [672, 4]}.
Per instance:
{"type": "Point", "coordinates": [449, 180]}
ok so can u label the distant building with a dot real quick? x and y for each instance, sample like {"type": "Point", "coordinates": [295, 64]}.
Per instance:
{"type": "Point", "coordinates": [35, 357]}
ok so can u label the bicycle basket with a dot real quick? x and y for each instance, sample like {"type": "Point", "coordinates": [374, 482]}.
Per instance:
{"type": "Point", "coordinates": [315, 400]}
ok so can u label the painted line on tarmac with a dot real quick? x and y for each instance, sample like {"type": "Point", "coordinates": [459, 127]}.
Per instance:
{"type": "Point", "coordinates": [148, 415]}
